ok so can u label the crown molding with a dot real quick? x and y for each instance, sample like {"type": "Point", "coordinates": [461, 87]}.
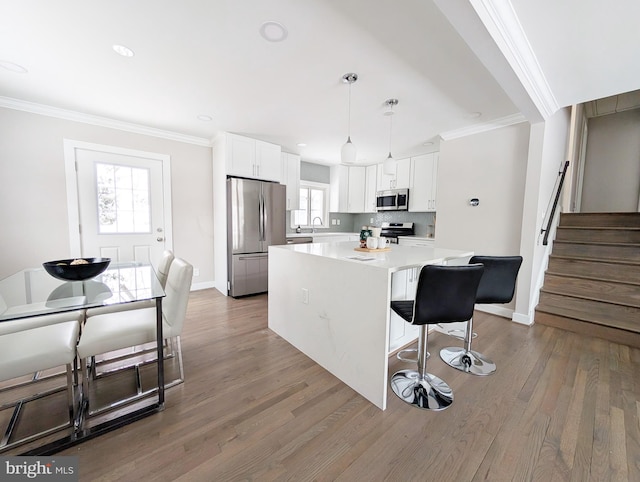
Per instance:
{"type": "Point", "coordinates": [502, 23]}
{"type": "Point", "coordinates": [70, 115]}
{"type": "Point", "coordinates": [484, 127]}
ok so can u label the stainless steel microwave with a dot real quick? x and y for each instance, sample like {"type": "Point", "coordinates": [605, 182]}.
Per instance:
{"type": "Point", "coordinates": [393, 200]}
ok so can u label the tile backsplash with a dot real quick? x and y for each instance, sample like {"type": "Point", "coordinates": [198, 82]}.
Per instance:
{"type": "Point", "coordinates": [424, 222]}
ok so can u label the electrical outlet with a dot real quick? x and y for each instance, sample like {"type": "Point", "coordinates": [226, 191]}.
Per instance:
{"type": "Point", "coordinates": [333, 222]}
{"type": "Point", "coordinates": [305, 296]}
{"type": "Point", "coordinates": [371, 220]}
{"type": "Point", "coordinates": [196, 272]}
{"type": "Point", "coordinates": [338, 222]}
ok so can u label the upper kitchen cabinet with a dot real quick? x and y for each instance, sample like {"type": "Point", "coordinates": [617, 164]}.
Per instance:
{"type": "Point", "coordinates": [422, 191]}
{"type": "Point", "coordinates": [347, 189]}
{"type": "Point", "coordinates": [246, 157]}
{"type": "Point", "coordinates": [291, 178]}
{"type": "Point", "coordinates": [370, 188]}
{"type": "Point", "coordinates": [398, 180]}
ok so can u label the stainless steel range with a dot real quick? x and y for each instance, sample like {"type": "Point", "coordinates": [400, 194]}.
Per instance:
{"type": "Point", "coordinates": [393, 230]}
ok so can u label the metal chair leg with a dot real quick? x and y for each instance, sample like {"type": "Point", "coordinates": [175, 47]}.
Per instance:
{"type": "Point", "coordinates": [6, 442]}
{"type": "Point", "coordinates": [177, 349]}
{"type": "Point", "coordinates": [467, 360]}
{"type": "Point", "coordinates": [420, 388]}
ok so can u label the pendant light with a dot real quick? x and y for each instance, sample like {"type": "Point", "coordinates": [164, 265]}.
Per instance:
{"type": "Point", "coordinates": [348, 151]}
{"type": "Point", "coordinates": [389, 164]}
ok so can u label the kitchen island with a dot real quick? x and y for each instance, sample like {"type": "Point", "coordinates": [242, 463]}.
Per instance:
{"type": "Point", "coordinates": [332, 303]}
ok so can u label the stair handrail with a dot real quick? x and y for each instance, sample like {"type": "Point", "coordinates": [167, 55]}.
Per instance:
{"type": "Point", "coordinates": [560, 183]}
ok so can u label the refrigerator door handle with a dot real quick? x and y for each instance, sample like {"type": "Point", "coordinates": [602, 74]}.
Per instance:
{"type": "Point", "coordinates": [265, 219]}
{"type": "Point", "coordinates": [261, 217]}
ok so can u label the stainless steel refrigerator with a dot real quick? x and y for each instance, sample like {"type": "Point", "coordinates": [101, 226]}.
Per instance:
{"type": "Point", "coordinates": [255, 221]}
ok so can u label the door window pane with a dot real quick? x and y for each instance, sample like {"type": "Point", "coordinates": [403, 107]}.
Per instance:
{"type": "Point", "coordinates": [123, 199]}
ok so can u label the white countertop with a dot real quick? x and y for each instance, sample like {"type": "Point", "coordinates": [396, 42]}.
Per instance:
{"type": "Point", "coordinates": [398, 258]}
{"type": "Point", "coordinates": [319, 234]}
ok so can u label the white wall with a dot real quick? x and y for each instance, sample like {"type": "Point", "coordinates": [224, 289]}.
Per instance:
{"type": "Point", "coordinates": [512, 171]}
{"type": "Point", "coordinates": [33, 210]}
{"type": "Point", "coordinates": [612, 168]}
{"type": "Point", "coordinates": [548, 145]}
{"type": "Point", "coordinates": [490, 166]}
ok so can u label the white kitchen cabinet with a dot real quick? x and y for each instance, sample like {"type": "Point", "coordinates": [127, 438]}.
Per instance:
{"type": "Point", "coordinates": [424, 172]}
{"type": "Point", "coordinates": [268, 161]}
{"type": "Point", "coordinates": [420, 242]}
{"type": "Point", "coordinates": [335, 238]}
{"type": "Point", "coordinates": [356, 189]}
{"type": "Point", "coordinates": [403, 287]}
{"type": "Point", "coordinates": [370, 188]}
{"type": "Point", "coordinates": [251, 158]}
{"type": "Point", "coordinates": [339, 189]}
{"type": "Point", "coordinates": [398, 180]}
{"type": "Point", "coordinates": [291, 178]}
{"type": "Point", "coordinates": [240, 155]}
{"type": "Point", "coordinates": [347, 189]}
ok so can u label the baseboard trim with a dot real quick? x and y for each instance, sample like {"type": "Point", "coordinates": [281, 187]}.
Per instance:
{"type": "Point", "coordinates": [205, 285]}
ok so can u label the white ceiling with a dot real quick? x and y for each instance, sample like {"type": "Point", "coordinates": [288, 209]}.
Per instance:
{"type": "Point", "coordinates": [196, 57]}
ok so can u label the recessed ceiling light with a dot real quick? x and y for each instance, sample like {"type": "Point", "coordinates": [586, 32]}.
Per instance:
{"type": "Point", "coordinates": [427, 144]}
{"type": "Point", "coordinates": [473, 115]}
{"type": "Point", "coordinates": [273, 31]}
{"type": "Point", "coordinates": [301, 144]}
{"type": "Point", "coordinates": [122, 50]}
{"type": "Point", "coordinates": [12, 67]}
{"type": "Point", "coordinates": [205, 118]}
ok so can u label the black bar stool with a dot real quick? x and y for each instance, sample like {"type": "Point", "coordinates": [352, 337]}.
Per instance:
{"type": "Point", "coordinates": [445, 294]}
{"type": "Point", "coordinates": [497, 285]}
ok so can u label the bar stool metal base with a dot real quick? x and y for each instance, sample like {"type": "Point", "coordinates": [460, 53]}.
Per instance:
{"type": "Point", "coordinates": [467, 361]}
{"type": "Point", "coordinates": [428, 392]}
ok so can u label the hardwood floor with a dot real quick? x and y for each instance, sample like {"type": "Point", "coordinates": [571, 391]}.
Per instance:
{"type": "Point", "coordinates": [560, 407]}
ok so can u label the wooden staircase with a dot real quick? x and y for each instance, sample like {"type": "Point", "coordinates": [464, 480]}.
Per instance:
{"type": "Point", "coordinates": [592, 284]}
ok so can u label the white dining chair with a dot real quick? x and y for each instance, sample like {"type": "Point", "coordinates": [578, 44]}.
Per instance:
{"type": "Point", "coordinates": [114, 331]}
{"type": "Point", "coordinates": [162, 272]}
{"type": "Point", "coordinates": [106, 363]}
{"type": "Point", "coordinates": [27, 351]}
{"type": "Point", "coordinates": [21, 324]}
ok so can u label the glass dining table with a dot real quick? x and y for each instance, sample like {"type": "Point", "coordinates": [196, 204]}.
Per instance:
{"type": "Point", "coordinates": [34, 292]}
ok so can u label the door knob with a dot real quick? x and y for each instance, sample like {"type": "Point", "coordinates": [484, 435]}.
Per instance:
{"type": "Point", "coordinates": [159, 239]}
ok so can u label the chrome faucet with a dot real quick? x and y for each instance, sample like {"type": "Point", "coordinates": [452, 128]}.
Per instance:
{"type": "Point", "coordinates": [313, 227]}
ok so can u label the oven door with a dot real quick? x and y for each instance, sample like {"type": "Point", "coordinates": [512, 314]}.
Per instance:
{"type": "Point", "coordinates": [387, 201]}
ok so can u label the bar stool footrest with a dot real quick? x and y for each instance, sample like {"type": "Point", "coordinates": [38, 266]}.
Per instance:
{"type": "Point", "coordinates": [400, 355]}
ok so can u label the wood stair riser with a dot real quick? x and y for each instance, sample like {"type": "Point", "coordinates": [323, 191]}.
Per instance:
{"type": "Point", "coordinates": [628, 236]}
{"type": "Point", "coordinates": [597, 251]}
{"type": "Point", "coordinates": [600, 219]}
{"type": "Point", "coordinates": [592, 284]}
{"type": "Point", "coordinates": [622, 272]}
{"type": "Point", "coordinates": [606, 291]}
{"type": "Point", "coordinates": [618, 316]}
{"type": "Point", "coordinates": [615, 335]}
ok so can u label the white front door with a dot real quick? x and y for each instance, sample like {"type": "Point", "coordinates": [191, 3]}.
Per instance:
{"type": "Point", "coordinates": [121, 203]}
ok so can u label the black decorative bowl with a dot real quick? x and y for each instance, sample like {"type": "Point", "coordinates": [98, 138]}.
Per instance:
{"type": "Point", "coordinates": [64, 270]}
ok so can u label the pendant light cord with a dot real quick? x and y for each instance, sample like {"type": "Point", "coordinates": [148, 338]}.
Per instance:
{"type": "Point", "coordinates": [390, 127]}
{"type": "Point", "coordinates": [349, 125]}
